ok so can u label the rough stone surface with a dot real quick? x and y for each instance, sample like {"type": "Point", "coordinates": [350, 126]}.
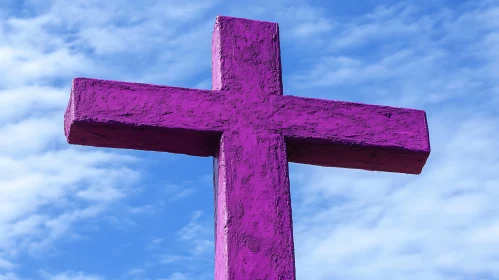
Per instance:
{"type": "Point", "coordinates": [252, 131]}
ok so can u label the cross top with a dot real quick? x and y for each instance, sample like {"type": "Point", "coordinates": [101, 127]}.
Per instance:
{"type": "Point", "coordinates": [252, 131]}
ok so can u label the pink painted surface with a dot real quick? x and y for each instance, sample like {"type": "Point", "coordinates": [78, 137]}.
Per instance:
{"type": "Point", "coordinates": [252, 131]}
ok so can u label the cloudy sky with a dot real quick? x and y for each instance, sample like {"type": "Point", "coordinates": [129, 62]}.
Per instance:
{"type": "Point", "coordinates": [83, 213]}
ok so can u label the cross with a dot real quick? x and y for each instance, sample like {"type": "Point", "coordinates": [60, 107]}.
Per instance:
{"type": "Point", "coordinates": [252, 130]}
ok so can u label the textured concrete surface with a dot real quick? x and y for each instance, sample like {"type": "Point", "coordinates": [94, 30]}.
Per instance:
{"type": "Point", "coordinates": [252, 131]}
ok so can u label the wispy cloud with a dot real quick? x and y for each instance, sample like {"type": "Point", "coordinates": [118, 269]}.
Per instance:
{"type": "Point", "coordinates": [195, 255]}
{"type": "Point", "coordinates": [171, 259]}
{"type": "Point", "coordinates": [143, 209]}
{"type": "Point", "coordinates": [378, 225]}
{"type": "Point", "coordinates": [196, 233]}
{"type": "Point", "coordinates": [43, 196]}
{"type": "Point", "coordinates": [441, 224]}
{"type": "Point", "coordinates": [405, 52]}
{"type": "Point", "coordinates": [348, 224]}
{"type": "Point", "coordinates": [178, 191]}
{"type": "Point", "coordinates": [68, 275]}
{"type": "Point", "coordinates": [177, 276]}
{"type": "Point", "coordinates": [48, 188]}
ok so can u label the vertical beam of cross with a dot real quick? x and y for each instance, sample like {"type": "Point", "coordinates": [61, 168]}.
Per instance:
{"type": "Point", "coordinates": [254, 236]}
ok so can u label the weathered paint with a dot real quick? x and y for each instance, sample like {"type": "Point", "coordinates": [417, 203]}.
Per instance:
{"type": "Point", "coordinates": [252, 131]}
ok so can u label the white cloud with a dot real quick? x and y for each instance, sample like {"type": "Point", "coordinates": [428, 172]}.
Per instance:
{"type": "Point", "coordinates": [197, 244]}
{"type": "Point", "coordinates": [169, 259]}
{"type": "Point", "coordinates": [44, 196]}
{"type": "Point", "coordinates": [30, 136]}
{"type": "Point", "coordinates": [178, 191]}
{"type": "Point", "coordinates": [154, 243]}
{"type": "Point", "coordinates": [6, 265]}
{"type": "Point", "coordinates": [299, 22]}
{"type": "Point", "coordinates": [405, 53]}
{"type": "Point", "coordinates": [349, 224]}
{"type": "Point", "coordinates": [17, 102]}
{"type": "Point", "coordinates": [48, 188]}
{"type": "Point", "coordinates": [372, 225]}
{"type": "Point", "coordinates": [143, 209]}
{"type": "Point", "coordinates": [196, 233]}
{"type": "Point", "coordinates": [30, 53]}
{"type": "Point", "coordinates": [441, 224]}
{"type": "Point", "coordinates": [8, 276]}
{"type": "Point", "coordinates": [176, 276]}
{"type": "Point", "coordinates": [69, 275]}
{"type": "Point", "coordinates": [307, 20]}
{"type": "Point", "coordinates": [25, 66]}
{"type": "Point", "coordinates": [382, 24]}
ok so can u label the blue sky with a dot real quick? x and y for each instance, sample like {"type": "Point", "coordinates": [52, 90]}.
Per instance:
{"type": "Point", "coordinates": [83, 213]}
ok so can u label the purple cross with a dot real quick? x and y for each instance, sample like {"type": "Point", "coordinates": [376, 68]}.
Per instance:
{"type": "Point", "coordinates": [252, 131]}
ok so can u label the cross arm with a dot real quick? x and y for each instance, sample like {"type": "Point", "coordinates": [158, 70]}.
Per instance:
{"type": "Point", "coordinates": [352, 135]}
{"type": "Point", "coordinates": [144, 117]}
